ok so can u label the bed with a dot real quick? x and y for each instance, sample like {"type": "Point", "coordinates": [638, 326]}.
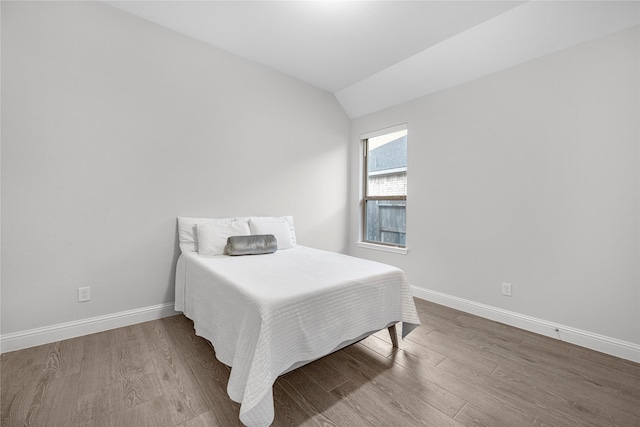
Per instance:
{"type": "Point", "coordinates": [268, 314]}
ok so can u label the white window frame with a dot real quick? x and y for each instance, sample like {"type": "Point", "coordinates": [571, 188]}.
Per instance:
{"type": "Point", "coordinates": [362, 243]}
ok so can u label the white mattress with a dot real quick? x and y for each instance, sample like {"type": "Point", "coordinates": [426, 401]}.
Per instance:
{"type": "Point", "coordinates": [265, 313]}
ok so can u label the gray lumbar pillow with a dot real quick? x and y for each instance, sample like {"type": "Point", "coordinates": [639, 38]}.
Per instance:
{"type": "Point", "coordinates": [251, 245]}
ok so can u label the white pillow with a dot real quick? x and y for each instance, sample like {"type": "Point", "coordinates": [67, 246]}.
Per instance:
{"type": "Point", "coordinates": [288, 219]}
{"type": "Point", "coordinates": [188, 236]}
{"type": "Point", "coordinates": [187, 233]}
{"type": "Point", "coordinates": [213, 234]}
{"type": "Point", "coordinates": [278, 227]}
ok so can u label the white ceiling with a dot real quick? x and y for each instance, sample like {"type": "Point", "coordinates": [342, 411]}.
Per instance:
{"type": "Point", "coordinates": [374, 54]}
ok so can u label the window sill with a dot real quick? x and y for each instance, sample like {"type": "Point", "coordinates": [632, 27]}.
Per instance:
{"type": "Point", "coordinates": [383, 248]}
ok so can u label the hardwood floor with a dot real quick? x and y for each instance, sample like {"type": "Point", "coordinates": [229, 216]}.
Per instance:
{"type": "Point", "coordinates": [455, 370]}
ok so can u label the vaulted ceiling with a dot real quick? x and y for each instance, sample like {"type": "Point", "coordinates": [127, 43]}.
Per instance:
{"type": "Point", "coordinates": [374, 54]}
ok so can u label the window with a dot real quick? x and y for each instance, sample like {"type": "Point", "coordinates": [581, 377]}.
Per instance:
{"type": "Point", "coordinates": [384, 207]}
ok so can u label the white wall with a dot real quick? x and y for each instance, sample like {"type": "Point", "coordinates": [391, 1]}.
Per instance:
{"type": "Point", "coordinates": [113, 126]}
{"type": "Point", "coordinates": [528, 176]}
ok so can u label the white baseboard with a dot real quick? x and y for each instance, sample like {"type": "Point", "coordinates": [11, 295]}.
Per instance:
{"type": "Point", "coordinates": [63, 331]}
{"type": "Point", "coordinates": [593, 341]}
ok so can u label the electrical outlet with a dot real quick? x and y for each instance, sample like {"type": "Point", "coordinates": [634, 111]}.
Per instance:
{"type": "Point", "coordinates": [506, 289]}
{"type": "Point", "coordinates": [84, 294]}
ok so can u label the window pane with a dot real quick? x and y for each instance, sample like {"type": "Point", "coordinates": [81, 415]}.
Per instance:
{"type": "Point", "coordinates": [387, 165]}
{"type": "Point", "coordinates": [386, 221]}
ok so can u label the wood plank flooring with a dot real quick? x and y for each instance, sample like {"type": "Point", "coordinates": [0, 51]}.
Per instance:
{"type": "Point", "coordinates": [454, 370]}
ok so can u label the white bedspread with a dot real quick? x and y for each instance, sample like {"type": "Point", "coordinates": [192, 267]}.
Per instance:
{"type": "Point", "coordinates": [265, 313]}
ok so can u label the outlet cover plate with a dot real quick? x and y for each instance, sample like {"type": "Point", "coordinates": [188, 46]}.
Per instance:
{"type": "Point", "coordinates": [84, 294]}
{"type": "Point", "coordinates": [506, 289]}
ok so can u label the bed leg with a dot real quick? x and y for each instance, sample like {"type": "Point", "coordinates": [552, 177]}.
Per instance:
{"type": "Point", "coordinates": [394, 336]}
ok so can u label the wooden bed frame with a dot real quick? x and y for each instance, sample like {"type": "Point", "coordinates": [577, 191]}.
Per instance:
{"type": "Point", "coordinates": [394, 335]}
